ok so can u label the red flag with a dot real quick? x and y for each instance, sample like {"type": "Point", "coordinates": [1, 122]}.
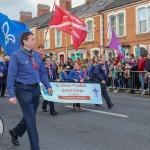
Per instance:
{"type": "Point", "coordinates": [69, 24]}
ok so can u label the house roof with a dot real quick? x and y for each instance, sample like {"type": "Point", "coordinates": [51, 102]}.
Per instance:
{"type": "Point", "coordinates": [39, 21]}
{"type": "Point", "coordinates": [119, 3]}
{"type": "Point", "coordinates": [82, 11]}
{"type": "Point", "coordinates": [93, 8]}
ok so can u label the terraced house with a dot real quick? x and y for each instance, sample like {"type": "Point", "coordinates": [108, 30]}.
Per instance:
{"type": "Point", "coordinates": [129, 18]}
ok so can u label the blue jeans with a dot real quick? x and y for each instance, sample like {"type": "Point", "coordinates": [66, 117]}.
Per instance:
{"type": "Point", "coordinates": [120, 82]}
{"type": "Point", "coordinates": [141, 77]}
{"type": "Point", "coordinates": [28, 98]}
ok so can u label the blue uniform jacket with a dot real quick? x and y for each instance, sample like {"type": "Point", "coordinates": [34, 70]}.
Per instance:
{"type": "Point", "coordinates": [21, 70]}
{"type": "Point", "coordinates": [53, 71]}
{"type": "Point", "coordinates": [93, 69]}
{"type": "Point", "coordinates": [101, 73]}
{"type": "Point", "coordinates": [2, 67]}
{"type": "Point", "coordinates": [64, 76]}
{"type": "Point", "coordinates": [147, 65]}
{"type": "Point", "coordinates": [85, 75]}
{"type": "Point", "coordinates": [74, 75]}
{"type": "Point", "coordinates": [3, 71]}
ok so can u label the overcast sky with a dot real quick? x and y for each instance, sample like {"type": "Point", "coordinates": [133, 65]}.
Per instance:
{"type": "Point", "coordinates": [12, 7]}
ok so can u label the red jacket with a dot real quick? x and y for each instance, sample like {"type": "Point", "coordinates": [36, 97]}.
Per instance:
{"type": "Point", "coordinates": [141, 65]}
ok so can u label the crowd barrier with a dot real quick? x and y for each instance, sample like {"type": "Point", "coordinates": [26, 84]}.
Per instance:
{"type": "Point", "coordinates": [129, 81]}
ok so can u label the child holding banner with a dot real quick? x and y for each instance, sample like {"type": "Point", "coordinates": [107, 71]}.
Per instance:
{"type": "Point", "coordinates": [85, 71]}
{"type": "Point", "coordinates": [64, 75]}
{"type": "Point", "coordinates": [93, 69]}
{"type": "Point", "coordinates": [51, 72]}
{"type": "Point", "coordinates": [76, 75]}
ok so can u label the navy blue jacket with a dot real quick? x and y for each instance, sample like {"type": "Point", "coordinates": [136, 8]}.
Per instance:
{"type": "Point", "coordinates": [21, 70]}
{"type": "Point", "coordinates": [102, 75]}
{"type": "Point", "coordinates": [2, 67]}
{"type": "Point", "coordinates": [74, 75]}
{"type": "Point", "coordinates": [85, 75]}
{"type": "Point", "coordinates": [51, 73]}
{"type": "Point", "coordinates": [64, 76]}
{"type": "Point", "coordinates": [2, 70]}
{"type": "Point", "coordinates": [93, 69]}
{"type": "Point", "coordinates": [147, 65]}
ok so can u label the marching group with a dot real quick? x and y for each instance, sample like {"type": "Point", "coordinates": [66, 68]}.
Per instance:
{"type": "Point", "coordinates": [26, 68]}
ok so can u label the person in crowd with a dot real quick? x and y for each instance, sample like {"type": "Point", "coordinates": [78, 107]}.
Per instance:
{"type": "Point", "coordinates": [147, 68]}
{"type": "Point", "coordinates": [127, 71]}
{"type": "Point", "coordinates": [64, 74]}
{"type": "Point", "coordinates": [66, 64]}
{"type": "Point", "coordinates": [147, 65]}
{"type": "Point", "coordinates": [120, 77]}
{"type": "Point", "coordinates": [127, 56]}
{"type": "Point", "coordinates": [114, 77]}
{"type": "Point", "coordinates": [88, 64]}
{"type": "Point", "coordinates": [85, 71]}
{"type": "Point", "coordinates": [41, 51]}
{"type": "Point", "coordinates": [3, 77]}
{"type": "Point", "coordinates": [51, 73]}
{"type": "Point", "coordinates": [76, 75]}
{"type": "Point", "coordinates": [141, 66]}
{"type": "Point", "coordinates": [60, 67]}
{"type": "Point", "coordinates": [93, 72]}
{"type": "Point", "coordinates": [26, 71]}
{"type": "Point", "coordinates": [111, 68]}
{"type": "Point", "coordinates": [103, 73]}
{"type": "Point", "coordinates": [132, 58]}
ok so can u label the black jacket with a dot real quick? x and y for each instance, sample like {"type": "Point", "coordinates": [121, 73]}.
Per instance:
{"type": "Point", "coordinates": [147, 65]}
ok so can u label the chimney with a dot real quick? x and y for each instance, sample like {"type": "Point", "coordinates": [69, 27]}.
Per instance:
{"type": "Point", "coordinates": [65, 4]}
{"type": "Point", "coordinates": [25, 16]}
{"type": "Point", "coordinates": [42, 9]}
{"type": "Point", "coordinates": [88, 2]}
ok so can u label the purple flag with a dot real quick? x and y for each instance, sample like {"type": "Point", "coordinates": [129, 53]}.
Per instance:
{"type": "Point", "coordinates": [114, 44]}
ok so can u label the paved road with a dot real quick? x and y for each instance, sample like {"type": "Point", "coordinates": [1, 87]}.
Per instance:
{"type": "Point", "coordinates": [125, 127]}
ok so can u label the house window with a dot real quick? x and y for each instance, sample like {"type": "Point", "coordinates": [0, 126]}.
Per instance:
{"type": "Point", "coordinates": [58, 38]}
{"type": "Point", "coordinates": [117, 22]}
{"type": "Point", "coordinates": [113, 23]}
{"type": "Point", "coordinates": [90, 26]}
{"type": "Point", "coordinates": [47, 39]}
{"type": "Point", "coordinates": [120, 24]}
{"type": "Point", "coordinates": [32, 31]}
{"type": "Point", "coordinates": [79, 55]}
{"type": "Point", "coordinates": [143, 18]}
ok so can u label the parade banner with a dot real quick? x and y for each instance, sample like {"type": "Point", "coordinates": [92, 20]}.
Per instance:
{"type": "Point", "coordinates": [69, 92]}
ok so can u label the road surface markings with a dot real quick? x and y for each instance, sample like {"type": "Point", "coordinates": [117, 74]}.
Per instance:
{"type": "Point", "coordinates": [102, 112]}
{"type": "Point", "coordinates": [139, 98]}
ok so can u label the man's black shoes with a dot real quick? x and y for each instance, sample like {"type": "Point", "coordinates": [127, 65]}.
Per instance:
{"type": "Point", "coordinates": [14, 138]}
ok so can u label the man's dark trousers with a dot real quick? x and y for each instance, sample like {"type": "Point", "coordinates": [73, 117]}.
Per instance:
{"type": "Point", "coordinates": [28, 98]}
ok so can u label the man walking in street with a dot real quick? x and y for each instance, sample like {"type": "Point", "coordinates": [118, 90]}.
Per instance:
{"type": "Point", "coordinates": [26, 71]}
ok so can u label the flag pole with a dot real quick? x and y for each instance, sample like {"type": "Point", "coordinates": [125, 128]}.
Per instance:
{"type": "Point", "coordinates": [66, 45]}
{"type": "Point", "coordinates": [49, 21]}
